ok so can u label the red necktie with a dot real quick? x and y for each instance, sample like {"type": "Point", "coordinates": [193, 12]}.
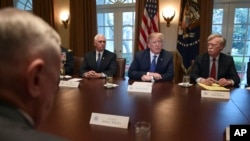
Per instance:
{"type": "Point", "coordinates": [213, 69]}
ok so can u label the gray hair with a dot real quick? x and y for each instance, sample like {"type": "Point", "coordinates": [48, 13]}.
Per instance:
{"type": "Point", "coordinates": [222, 39]}
{"type": "Point", "coordinates": [23, 36]}
{"type": "Point", "coordinates": [20, 31]}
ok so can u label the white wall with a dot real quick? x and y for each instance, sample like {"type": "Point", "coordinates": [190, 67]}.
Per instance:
{"type": "Point", "coordinates": [170, 33]}
{"type": "Point", "coordinates": [59, 6]}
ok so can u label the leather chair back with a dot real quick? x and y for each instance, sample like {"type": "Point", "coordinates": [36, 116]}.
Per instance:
{"type": "Point", "coordinates": [77, 63]}
{"type": "Point", "coordinates": [121, 63]}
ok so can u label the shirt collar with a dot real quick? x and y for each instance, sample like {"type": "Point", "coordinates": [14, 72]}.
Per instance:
{"type": "Point", "coordinates": [27, 116]}
{"type": "Point", "coordinates": [152, 54]}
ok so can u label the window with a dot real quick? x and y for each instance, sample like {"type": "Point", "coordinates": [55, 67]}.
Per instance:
{"type": "Point", "coordinates": [232, 20]}
{"type": "Point", "coordinates": [23, 4]}
{"type": "Point", "coordinates": [116, 20]}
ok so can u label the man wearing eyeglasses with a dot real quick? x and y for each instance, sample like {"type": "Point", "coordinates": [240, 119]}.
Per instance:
{"type": "Point", "coordinates": [100, 62]}
{"type": "Point", "coordinates": [214, 66]}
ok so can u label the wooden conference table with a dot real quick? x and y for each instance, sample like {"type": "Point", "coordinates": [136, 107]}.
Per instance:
{"type": "Point", "coordinates": [175, 113]}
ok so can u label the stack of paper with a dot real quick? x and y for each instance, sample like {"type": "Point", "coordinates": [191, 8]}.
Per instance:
{"type": "Point", "coordinates": [214, 91]}
{"type": "Point", "coordinates": [214, 87]}
{"type": "Point", "coordinates": [144, 87]}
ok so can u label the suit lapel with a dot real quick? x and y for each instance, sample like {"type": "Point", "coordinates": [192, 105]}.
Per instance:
{"type": "Point", "coordinates": [159, 61]}
{"type": "Point", "coordinates": [147, 60]}
{"type": "Point", "coordinates": [207, 70]}
{"type": "Point", "coordinates": [221, 63]}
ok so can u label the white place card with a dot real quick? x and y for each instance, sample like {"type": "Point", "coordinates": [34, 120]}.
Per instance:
{"type": "Point", "coordinates": [75, 79]}
{"type": "Point", "coordinates": [215, 94]}
{"type": "Point", "coordinates": [71, 84]}
{"type": "Point", "coordinates": [142, 87]}
{"type": "Point", "coordinates": [109, 120]}
{"type": "Point", "coordinates": [227, 133]}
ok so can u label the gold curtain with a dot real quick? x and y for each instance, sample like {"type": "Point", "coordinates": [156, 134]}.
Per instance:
{"type": "Point", "coordinates": [205, 23]}
{"type": "Point", "coordinates": [44, 9]}
{"type": "Point", "coordinates": [6, 3]}
{"type": "Point", "coordinates": [83, 26]}
{"type": "Point", "coordinates": [139, 13]}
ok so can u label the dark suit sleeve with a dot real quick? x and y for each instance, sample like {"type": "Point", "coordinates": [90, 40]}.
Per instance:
{"type": "Point", "coordinates": [69, 66]}
{"type": "Point", "coordinates": [167, 69]}
{"type": "Point", "coordinates": [84, 66]}
{"type": "Point", "coordinates": [136, 71]}
{"type": "Point", "coordinates": [248, 73]}
{"type": "Point", "coordinates": [229, 70]}
{"type": "Point", "coordinates": [196, 69]}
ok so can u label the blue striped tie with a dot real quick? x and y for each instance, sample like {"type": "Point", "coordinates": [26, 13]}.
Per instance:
{"type": "Point", "coordinates": [153, 64]}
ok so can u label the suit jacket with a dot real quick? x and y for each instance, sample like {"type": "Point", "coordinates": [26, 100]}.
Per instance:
{"type": "Point", "coordinates": [108, 63]}
{"type": "Point", "coordinates": [226, 68]}
{"type": "Point", "coordinates": [15, 127]}
{"type": "Point", "coordinates": [69, 65]}
{"type": "Point", "coordinates": [141, 65]}
{"type": "Point", "coordinates": [248, 74]}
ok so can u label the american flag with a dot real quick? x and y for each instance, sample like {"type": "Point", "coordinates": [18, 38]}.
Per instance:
{"type": "Point", "coordinates": [149, 22]}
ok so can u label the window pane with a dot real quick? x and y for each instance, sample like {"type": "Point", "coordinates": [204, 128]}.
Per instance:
{"type": "Point", "coordinates": [126, 46]}
{"type": "Point", "coordinates": [240, 15]}
{"type": "Point", "coordinates": [237, 48]}
{"type": "Point", "coordinates": [238, 63]}
{"type": "Point", "coordinates": [23, 4]}
{"type": "Point", "coordinates": [240, 66]}
{"type": "Point", "coordinates": [217, 16]}
{"type": "Point", "coordinates": [109, 19]}
{"type": "Point", "coordinates": [110, 45]}
{"type": "Point", "coordinates": [128, 18]}
{"type": "Point", "coordinates": [248, 15]}
{"type": "Point", "coordinates": [239, 32]}
{"type": "Point", "coordinates": [247, 48]}
{"type": "Point", "coordinates": [101, 30]}
{"type": "Point", "coordinates": [109, 33]}
{"type": "Point", "coordinates": [100, 21]}
{"type": "Point", "coordinates": [217, 29]}
{"type": "Point", "coordinates": [100, 2]}
{"type": "Point", "coordinates": [248, 32]}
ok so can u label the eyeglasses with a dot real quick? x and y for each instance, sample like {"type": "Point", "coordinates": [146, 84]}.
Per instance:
{"type": "Point", "coordinates": [101, 41]}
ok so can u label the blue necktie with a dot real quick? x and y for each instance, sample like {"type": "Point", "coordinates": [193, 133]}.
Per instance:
{"type": "Point", "coordinates": [98, 59]}
{"type": "Point", "coordinates": [153, 64]}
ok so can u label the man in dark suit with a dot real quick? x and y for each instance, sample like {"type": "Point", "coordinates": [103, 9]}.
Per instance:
{"type": "Point", "coordinates": [225, 73]}
{"type": "Point", "coordinates": [30, 64]}
{"type": "Point", "coordinates": [99, 63]}
{"type": "Point", "coordinates": [67, 67]}
{"type": "Point", "coordinates": [145, 68]}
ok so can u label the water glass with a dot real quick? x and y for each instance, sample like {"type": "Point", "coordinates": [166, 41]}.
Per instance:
{"type": "Point", "coordinates": [186, 81]}
{"type": "Point", "coordinates": [109, 81]}
{"type": "Point", "coordinates": [142, 131]}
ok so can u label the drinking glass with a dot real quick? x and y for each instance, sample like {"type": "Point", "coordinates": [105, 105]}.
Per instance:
{"type": "Point", "coordinates": [186, 81]}
{"type": "Point", "coordinates": [109, 81]}
{"type": "Point", "coordinates": [142, 131]}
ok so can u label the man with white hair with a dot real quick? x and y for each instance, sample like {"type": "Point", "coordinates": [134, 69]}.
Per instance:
{"type": "Point", "coordinates": [214, 66]}
{"type": "Point", "coordinates": [30, 67]}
